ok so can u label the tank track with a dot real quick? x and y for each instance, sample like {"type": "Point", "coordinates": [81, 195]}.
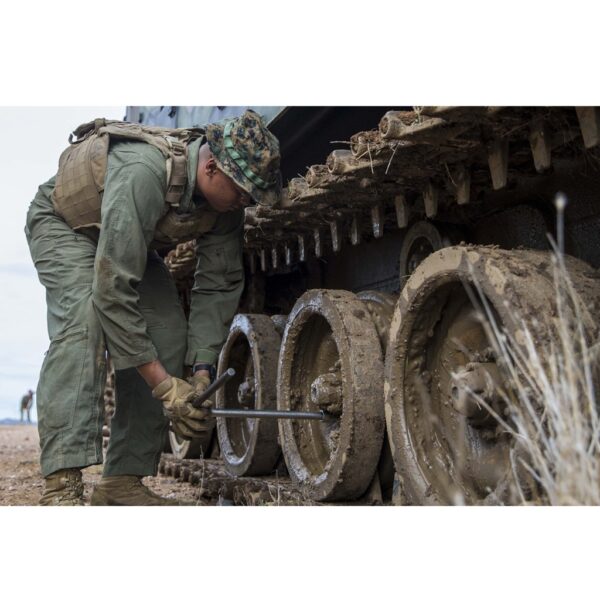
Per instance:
{"type": "Point", "coordinates": [217, 486]}
{"type": "Point", "coordinates": [435, 162]}
{"type": "Point", "coordinates": [109, 403]}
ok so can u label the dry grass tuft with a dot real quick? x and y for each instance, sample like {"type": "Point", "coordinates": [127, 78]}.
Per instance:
{"type": "Point", "coordinates": [551, 408]}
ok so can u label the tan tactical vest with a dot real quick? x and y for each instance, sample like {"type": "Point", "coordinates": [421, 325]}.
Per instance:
{"type": "Point", "coordinates": [77, 195]}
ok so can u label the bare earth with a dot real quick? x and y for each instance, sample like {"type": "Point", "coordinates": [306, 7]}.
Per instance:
{"type": "Point", "coordinates": [21, 482]}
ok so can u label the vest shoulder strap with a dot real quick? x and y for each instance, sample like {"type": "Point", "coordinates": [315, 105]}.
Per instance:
{"type": "Point", "coordinates": [82, 166]}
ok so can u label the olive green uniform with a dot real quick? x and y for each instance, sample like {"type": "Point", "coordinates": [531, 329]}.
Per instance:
{"type": "Point", "coordinates": [113, 292]}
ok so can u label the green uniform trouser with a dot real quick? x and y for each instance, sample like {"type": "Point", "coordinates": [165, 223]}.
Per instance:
{"type": "Point", "coordinates": [71, 384]}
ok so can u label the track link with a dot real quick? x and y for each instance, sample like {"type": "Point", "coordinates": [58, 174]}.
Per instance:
{"type": "Point", "coordinates": [218, 486]}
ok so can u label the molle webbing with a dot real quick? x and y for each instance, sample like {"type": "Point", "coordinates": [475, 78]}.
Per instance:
{"type": "Point", "coordinates": [176, 172]}
{"type": "Point", "coordinates": [77, 196]}
{"type": "Point", "coordinates": [79, 185]}
{"type": "Point", "coordinates": [177, 228]}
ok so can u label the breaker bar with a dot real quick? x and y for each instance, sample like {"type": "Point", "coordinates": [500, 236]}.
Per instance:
{"type": "Point", "coordinates": [247, 413]}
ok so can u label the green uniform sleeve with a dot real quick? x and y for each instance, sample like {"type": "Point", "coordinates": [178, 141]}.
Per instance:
{"type": "Point", "coordinates": [132, 204]}
{"type": "Point", "coordinates": [218, 285]}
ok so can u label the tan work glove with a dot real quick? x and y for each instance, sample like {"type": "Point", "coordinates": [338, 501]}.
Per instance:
{"type": "Point", "coordinates": [200, 381]}
{"type": "Point", "coordinates": [176, 396]}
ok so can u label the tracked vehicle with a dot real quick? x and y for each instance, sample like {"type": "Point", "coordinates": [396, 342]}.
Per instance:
{"type": "Point", "coordinates": [357, 303]}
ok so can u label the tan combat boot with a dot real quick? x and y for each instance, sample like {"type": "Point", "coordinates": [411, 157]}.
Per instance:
{"type": "Point", "coordinates": [63, 488]}
{"type": "Point", "coordinates": [128, 490]}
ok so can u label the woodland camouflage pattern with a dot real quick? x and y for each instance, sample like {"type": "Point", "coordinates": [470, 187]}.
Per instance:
{"type": "Point", "coordinates": [248, 152]}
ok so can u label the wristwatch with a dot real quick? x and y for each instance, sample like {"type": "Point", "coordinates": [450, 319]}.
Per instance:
{"type": "Point", "coordinates": [212, 371]}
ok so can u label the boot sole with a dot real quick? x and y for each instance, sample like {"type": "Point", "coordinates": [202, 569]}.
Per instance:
{"type": "Point", "coordinates": [102, 500]}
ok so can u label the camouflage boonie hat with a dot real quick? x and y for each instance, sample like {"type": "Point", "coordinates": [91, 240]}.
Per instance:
{"type": "Point", "coordinates": [248, 152]}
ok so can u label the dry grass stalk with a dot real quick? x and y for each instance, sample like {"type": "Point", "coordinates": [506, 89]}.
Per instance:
{"type": "Point", "coordinates": [550, 397]}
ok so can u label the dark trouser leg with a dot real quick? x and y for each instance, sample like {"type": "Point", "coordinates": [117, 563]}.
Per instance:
{"type": "Point", "coordinates": [139, 428]}
{"type": "Point", "coordinates": [69, 392]}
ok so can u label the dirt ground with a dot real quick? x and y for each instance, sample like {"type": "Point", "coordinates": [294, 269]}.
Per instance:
{"type": "Point", "coordinates": [21, 482]}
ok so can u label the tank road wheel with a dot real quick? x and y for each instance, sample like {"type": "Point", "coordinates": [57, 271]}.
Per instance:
{"type": "Point", "coordinates": [249, 446]}
{"type": "Point", "coordinates": [422, 239]}
{"type": "Point", "coordinates": [331, 359]}
{"type": "Point", "coordinates": [381, 308]}
{"type": "Point", "coordinates": [446, 447]}
{"type": "Point", "coordinates": [194, 448]}
{"type": "Point", "coordinates": [279, 322]}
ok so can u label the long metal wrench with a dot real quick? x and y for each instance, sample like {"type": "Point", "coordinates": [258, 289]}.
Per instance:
{"type": "Point", "coordinates": [248, 413]}
{"type": "Point", "coordinates": [234, 413]}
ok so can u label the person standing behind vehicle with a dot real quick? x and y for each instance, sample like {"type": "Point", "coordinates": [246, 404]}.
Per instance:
{"type": "Point", "coordinates": [26, 404]}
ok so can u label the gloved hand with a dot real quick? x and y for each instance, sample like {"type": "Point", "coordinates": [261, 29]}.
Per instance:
{"type": "Point", "coordinates": [176, 396]}
{"type": "Point", "coordinates": [200, 381]}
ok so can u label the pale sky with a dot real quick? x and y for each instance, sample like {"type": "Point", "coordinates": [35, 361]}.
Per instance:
{"type": "Point", "coordinates": [33, 139]}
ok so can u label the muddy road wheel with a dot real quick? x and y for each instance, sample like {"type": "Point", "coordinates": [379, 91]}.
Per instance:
{"type": "Point", "coordinates": [249, 446]}
{"type": "Point", "coordinates": [446, 447]}
{"type": "Point", "coordinates": [331, 360]}
{"type": "Point", "coordinates": [195, 448]}
{"type": "Point", "coordinates": [422, 239]}
{"type": "Point", "coordinates": [381, 308]}
{"type": "Point", "coordinates": [279, 322]}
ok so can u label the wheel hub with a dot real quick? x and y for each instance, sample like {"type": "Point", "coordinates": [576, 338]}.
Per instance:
{"type": "Point", "coordinates": [472, 388]}
{"type": "Point", "coordinates": [245, 394]}
{"type": "Point", "coordinates": [326, 392]}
